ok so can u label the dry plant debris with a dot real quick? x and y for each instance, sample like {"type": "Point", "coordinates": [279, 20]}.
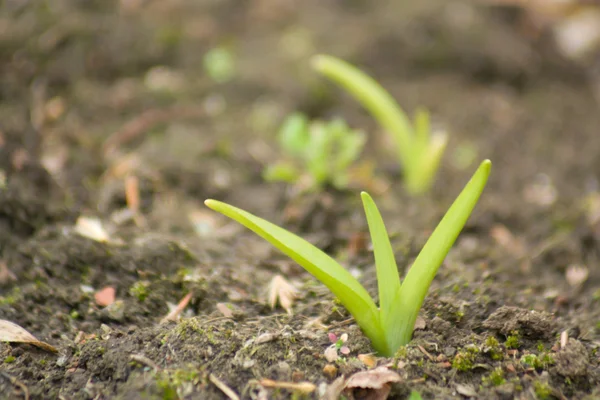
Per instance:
{"type": "Point", "coordinates": [13, 333]}
{"type": "Point", "coordinates": [377, 382]}
{"type": "Point", "coordinates": [174, 314]}
{"type": "Point", "coordinates": [91, 228]}
{"type": "Point", "coordinates": [105, 297]}
{"type": "Point", "coordinates": [302, 387]}
{"type": "Point", "coordinates": [280, 290]}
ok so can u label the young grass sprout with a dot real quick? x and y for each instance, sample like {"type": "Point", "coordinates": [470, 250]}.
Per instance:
{"type": "Point", "coordinates": [318, 152]}
{"type": "Point", "coordinates": [420, 151]}
{"type": "Point", "coordinates": [390, 325]}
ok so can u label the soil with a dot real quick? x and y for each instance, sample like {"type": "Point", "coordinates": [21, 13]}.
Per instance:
{"type": "Point", "coordinates": [94, 94]}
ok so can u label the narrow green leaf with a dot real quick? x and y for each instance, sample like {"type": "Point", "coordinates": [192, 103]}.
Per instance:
{"type": "Point", "coordinates": [341, 283]}
{"type": "Point", "coordinates": [388, 279]}
{"type": "Point", "coordinates": [419, 277]}
{"type": "Point", "coordinates": [414, 395]}
{"type": "Point", "coordinates": [373, 97]}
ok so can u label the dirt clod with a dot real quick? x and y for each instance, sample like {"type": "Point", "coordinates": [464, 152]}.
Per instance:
{"type": "Point", "coordinates": [528, 323]}
{"type": "Point", "coordinates": [572, 360]}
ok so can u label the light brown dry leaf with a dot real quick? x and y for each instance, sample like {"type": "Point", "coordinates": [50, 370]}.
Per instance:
{"type": "Point", "coordinates": [280, 289]}
{"type": "Point", "coordinates": [331, 353]}
{"type": "Point", "coordinates": [506, 239]}
{"type": "Point", "coordinates": [223, 309]}
{"type": "Point", "coordinates": [13, 333]}
{"type": "Point", "coordinates": [105, 296]}
{"type": "Point", "coordinates": [576, 275]}
{"type": "Point", "coordinates": [368, 359]}
{"type": "Point", "coordinates": [377, 382]}
{"type": "Point", "coordinates": [91, 228]}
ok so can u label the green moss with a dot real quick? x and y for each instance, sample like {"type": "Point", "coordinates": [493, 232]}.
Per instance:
{"type": "Point", "coordinates": [139, 290]}
{"type": "Point", "coordinates": [543, 361]}
{"type": "Point", "coordinates": [465, 360]}
{"type": "Point", "coordinates": [540, 347]}
{"type": "Point", "coordinates": [492, 347]}
{"type": "Point", "coordinates": [495, 378]}
{"type": "Point", "coordinates": [170, 381]}
{"type": "Point", "coordinates": [513, 341]}
{"type": "Point", "coordinates": [543, 391]}
{"type": "Point", "coordinates": [13, 297]}
{"type": "Point", "coordinates": [9, 359]}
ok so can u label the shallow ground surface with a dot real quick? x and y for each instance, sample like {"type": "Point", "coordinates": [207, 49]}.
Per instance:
{"type": "Point", "coordinates": [77, 77]}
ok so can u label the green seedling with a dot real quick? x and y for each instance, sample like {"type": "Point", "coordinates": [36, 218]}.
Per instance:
{"type": "Point", "coordinates": [318, 152]}
{"type": "Point", "coordinates": [390, 325]}
{"type": "Point", "coordinates": [419, 149]}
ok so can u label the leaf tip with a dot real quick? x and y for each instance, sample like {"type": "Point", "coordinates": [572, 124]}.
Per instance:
{"type": "Point", "coordinates": [486, 166]}
{"type": "Point", "coordinates": [210, 203]}
{"type": "Point", "coordinates": [365, 196]}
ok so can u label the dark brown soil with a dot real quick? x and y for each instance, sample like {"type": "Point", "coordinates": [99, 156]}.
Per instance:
{"type": "Point", "coordinates": [75, 73]}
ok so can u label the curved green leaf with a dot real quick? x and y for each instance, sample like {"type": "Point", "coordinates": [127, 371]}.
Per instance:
{"type": "Point", "coordinates": [388, 279]}
{"type": "Point", "coordinates": [373, 97]}
{"type": "Point", "coordinates": [421, 274]}
{"type": "Point", "coordinates": [341, 283]}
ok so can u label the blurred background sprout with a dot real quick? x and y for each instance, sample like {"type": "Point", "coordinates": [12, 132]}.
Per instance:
{"type": "Point", "coordinates": [420, 150]}
{"type": "Point", "coordinates": [316, 153]}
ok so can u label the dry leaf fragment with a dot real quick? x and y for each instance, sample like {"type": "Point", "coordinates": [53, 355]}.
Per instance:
{"type": "Point", "coordinates": [377, 382]}
{"type": "Point", "coordinates": [576, 275]}
{"type": "Point", "coordinates": [368, 359]}
{"type": "Point", "coordinates": [331, 354]}
{"type": "Point", "coordinates": [105, 297]}
{"type": "Point", "coordinates": [174, 314]}
{"type": "Point", "coordinates": [91, 228]}
{"type": "Point", "coordinates": [223, 309]}
{"type": "Point", "coordinates": [504, 237]}
{"type": "Point", "coordinates": [280, 289]}
{"type": "Point", "coordinates": [13, 333]}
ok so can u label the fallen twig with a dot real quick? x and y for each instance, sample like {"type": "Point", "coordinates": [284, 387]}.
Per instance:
{"type": "Point", "coordinates": [172, 316]}
{"type": "Point", "coordinates": [223, 387]}
{"type": "Point", "coordinates": [14, 381]}
{"type": "Point", "coordinates": [145, 361]}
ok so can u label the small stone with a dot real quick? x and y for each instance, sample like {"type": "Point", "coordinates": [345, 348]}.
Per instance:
{"type": "Point", "coordinates": [115, 311]}
{"type": "Point", "coordinates": [449, 351]}
{"type": "Point", "coordinates": [466, 390]}
{"type": "Point", "coordinates": [330, 371]}
{"type": "Point", "coordinates": [505, 391]}
{"type": "Point", "coordinates": [297, 376]}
